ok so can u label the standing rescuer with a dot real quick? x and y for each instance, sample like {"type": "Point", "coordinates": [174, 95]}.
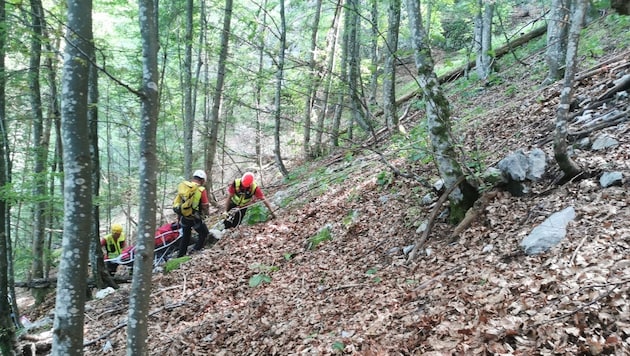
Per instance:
{"type": "Point", "coordinates": [114, 243]}
{"type": "Point", "coordinates": [242, 192]}
{"type": "Point", "coordinates": [200, 206]}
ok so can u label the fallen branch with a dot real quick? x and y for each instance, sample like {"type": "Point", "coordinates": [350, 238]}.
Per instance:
{"type": "Point", "coordinates": [436, 210]}
{"type": "Point", "coordinates": [472, 213]}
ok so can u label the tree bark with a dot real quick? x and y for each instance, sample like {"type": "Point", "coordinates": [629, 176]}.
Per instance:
{"type": "Point", "coordinates": [557, 30]}
{"type": "Point", "coordinates": [72, 275]}
{"type": "Point", "coordinates": [389, 71]}
{"type": "Point", "coordinates": [311, 82]}
{"type": "Point", "coordinates": [566, 164]}
{"type": "Point", "coordinates": [7, 331]}
{"type": "Point", "coordinates": [137, 329]}
{"type": "Point", "coordinates": [218, 89]}
{"type": "Point", "coordinates": [438, 119]}
{"type": "Point", "coordinates": [189, 114]}
{"type": "Point", "coordinates": [40, 148]}
{"type": "Point", "coordinates": [277, 100]}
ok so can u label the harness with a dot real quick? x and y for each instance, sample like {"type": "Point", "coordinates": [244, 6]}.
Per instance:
{"type": "Point", "coordinates": [243, 196]}
{"type": "Point", "coordinates": [114, 248]}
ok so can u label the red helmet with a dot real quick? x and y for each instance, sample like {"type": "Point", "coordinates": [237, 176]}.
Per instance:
{"type": "Point", "coordinates": [247, 180]}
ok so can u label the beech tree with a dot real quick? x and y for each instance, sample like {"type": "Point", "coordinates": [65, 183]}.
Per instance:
{"type": "Point", "coordinates": [7, 331]}
{"type": "Point", "coordinates": [566, 164]}
{"type": "Point", "coordinates": [217, 96]}
{"type": "Point", "coordinates": [557, 30]}
{"type": "Point", "coordinates": [72, 275]}
{"type": "Point", "coordinates": [277, 99]}
{"type": "Point", "coordinates": [389, 70]}
{"type": "Point", "coordinates": [438, 118]}
{"type": "Point", "coordinates": [137, 328]}
{"type": "Point", "coordinates": [483, 38]}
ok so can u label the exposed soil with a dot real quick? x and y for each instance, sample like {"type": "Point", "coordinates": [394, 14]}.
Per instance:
{"type": "Point", "coordinates": [357, 294]}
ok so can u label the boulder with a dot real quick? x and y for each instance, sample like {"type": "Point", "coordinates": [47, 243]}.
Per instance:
{"type": "Point", "coordinates": [549, 233]}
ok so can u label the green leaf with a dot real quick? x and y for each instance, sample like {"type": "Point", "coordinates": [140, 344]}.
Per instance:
{"type": "Point", "coordinates": [259, 279]}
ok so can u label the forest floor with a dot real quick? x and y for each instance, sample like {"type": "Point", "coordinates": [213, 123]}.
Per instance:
{"type": "Point", "coordinates": [356, 293]}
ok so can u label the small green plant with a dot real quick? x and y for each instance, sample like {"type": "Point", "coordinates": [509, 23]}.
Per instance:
{"type": "Point", "coordinates": [384, 178]}
{"type": "Point", "coordinates": [263, 275]}
{"type": "Point", "coordinates": [255, 214]}
{"type": "Point", "coordinates": [338, 346]}
{"type": "Point", "coordinates": [324, 234]}
{"type": "Point", "coordinates": [351, 218]}
{"type": "Point", "coordinates": [287, 256]}
{"type": "Point", "coordinates": [174, 263]}
{"type": "Point", "coordinates": [372, 272]}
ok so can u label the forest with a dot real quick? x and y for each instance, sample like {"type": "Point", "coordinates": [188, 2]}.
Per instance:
{"type": "Point", "coordinates": [411, 153]}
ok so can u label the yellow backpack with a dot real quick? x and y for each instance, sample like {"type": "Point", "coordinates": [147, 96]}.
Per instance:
{"type": "Point", "coordinates": [184, 202]}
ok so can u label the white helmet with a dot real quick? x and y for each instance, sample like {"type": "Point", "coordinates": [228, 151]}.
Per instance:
{"type": "Point", "coordinates": [200, 174]}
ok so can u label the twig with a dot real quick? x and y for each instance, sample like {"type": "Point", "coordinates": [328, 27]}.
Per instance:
{"type": "Point", "coordinates": [577, 249]}
{"type": "Point", "coordinates": [433, 217]}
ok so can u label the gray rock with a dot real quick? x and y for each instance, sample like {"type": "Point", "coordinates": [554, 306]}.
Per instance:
{"type": "Point", "coordinates": [549, 233]}
{"type": "Point", "coordinates": [611, 178]}
{"type": "Point", "coordinates": [494, 176]}
{"type": "Point", "coordinates": [515, 166]}
{"type": "Point", "coordinates": [427, 199]}
{"type": "Point", "coordinates": [537, 164]}
{"type": "Point", "coordinates": [603, 142]}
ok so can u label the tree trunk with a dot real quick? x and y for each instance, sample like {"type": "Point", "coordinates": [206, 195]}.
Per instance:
{"type": "Point", "coordinates": [557, 29]}
{"type": "Point", "coordinates": [374, 51]}
{"type": "Point", "coordinates": [566, 164]}
{"type": "Point", "coordinates": [357, 102]}
{"type": "Point", "coordinates": [7, 331]}
{"type": "Point", "coordinates": [279, 78]}
{"type": "Point", "coordinates": [261, 67]}
{"type": "Point", "coordinates": [218, 89]}
{"type": "Point", "coordinates": [438, 119]}
{"type": "Point", "coordinates": [40, 148]}
{"type": "Point", "coordinates": [189, 114]}
{"type": "Point", "coordinates": [343, 79]}
{"type": "Point", "coordinates": [137, 330]}
{"type": "Point", "coordinates": [311, 82]}
{"type": "Point", "coordinates": [484, 57]}
{"type": "Point", "coordinates": [73, 268]}
{"type": "Point", "coordinates": [331, 49]}
{"type": "Point", "coordinates": [389, 71]}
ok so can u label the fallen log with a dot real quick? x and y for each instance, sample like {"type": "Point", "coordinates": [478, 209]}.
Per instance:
{"type": "Point", "coordinates": [52, 282]}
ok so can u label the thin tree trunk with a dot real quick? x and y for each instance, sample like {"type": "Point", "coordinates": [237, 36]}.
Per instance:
{"type": "Point", "coordinates": [343, 78]}
{"type": "Point", "coordinates": [218, 90]}
{"type": "Point", "coordinates": [137, 330]}
{"type": "Point", "coordinates": [73, 268]}
{"type": "Point", "coordinates": [389, 72]}
{"type": "Point", "coordinates": [262, 24]}
{"type": "Point", "coordinates": [557, 30]}
{"type": "Point", "coordinates": [311, 82]}
{"type": "Point", "coordinates": [277, 102]}
{"type": "Point", "coordinates": [333, 36]}
{"type": "Point", "coordinates": [438, 119]}
{"type": "Point", "coordinates": [566, 164]}
{"type": "Point", "coordinates": [7, 337]}
{"type": "Point", "coordinates": [189, 120]}
{"type": "Point", "coordinates": [40, 148]}
{"type": "Point", "coordinates": [374, 52]}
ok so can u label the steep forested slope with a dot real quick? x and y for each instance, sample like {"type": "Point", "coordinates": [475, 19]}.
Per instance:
{"type": "Point", "coordinates": [355, 292]}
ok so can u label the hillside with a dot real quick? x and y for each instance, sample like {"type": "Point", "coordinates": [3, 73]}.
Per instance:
{"type": "Point", "coordinates": [355, 293]}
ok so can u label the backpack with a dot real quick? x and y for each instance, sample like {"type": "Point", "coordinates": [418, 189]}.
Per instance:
{"type": "Point", "coordinates": [183, 202]}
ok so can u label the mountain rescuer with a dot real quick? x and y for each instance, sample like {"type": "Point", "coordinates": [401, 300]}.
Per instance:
{"type": "Point", "coordinates": [114, 243]}
{"type": "Point", "coordinates": [242, 192]}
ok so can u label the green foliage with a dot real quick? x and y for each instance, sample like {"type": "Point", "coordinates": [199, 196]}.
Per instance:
{"type": "Point", "coordinates": [287, 256]}
{"type": "Point", "coordinates": [258, 279]}
{"type": "Point", "coordinates": [351, 218]}
{"type": "Point", "coordinates": [372, 273]}
{"type": "Point", "coordinates": [384, 178]}
{"type": "Point", "coordinates": [338, 346]}
{"type": "Point", "coordinates": [325, 234]}
{"type": "Point", "coordinates": [174, 263]}
{"type": "Point", "coordinates": [263, 275]}
{"type": "Point", "coordinates": [255, 214]}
